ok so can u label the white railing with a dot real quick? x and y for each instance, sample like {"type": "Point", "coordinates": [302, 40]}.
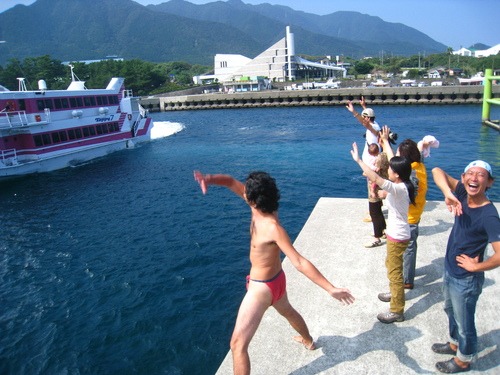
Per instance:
{"type": "Point", "coordinates": [13, 119]}
{"type": "Point", "coordinates": [8, 157]}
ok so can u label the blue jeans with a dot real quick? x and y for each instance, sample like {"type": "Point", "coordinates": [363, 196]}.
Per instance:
{"type": "Point", "coordinates": [460, 298]}
{"type": "Point", "coordinates": [410, 256]}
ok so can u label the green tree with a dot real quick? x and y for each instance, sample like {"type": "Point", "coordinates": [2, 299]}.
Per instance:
{"type": "Point", "coordinates": [47, 69]}
{"type": "Point", "coordinates": [9, 74]}
{"type": "Point", "coordinates": [33, 69]}
{"type": "Point", "coordinates": [363, 67]}
{"type": "Point", "coordinates": [413, 73]}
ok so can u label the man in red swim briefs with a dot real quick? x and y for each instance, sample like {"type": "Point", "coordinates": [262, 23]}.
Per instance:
{"type": "Point", "coordinates": [266, 284]}
{"type": "Point", "coordinates": [277, 285]}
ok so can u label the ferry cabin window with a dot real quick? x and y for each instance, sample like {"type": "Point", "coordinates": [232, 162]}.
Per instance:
{"type": "Point", "coordinates": [63, 136]}
{"type": "Point", "coordinates": [113, 99]}
{"type": "Point", "coordinates": [44, 103]}
{"type": "Point", "coordinates": [46, 139]}
{"type": "Point", "coordinates": [59, 136]}
{"type": "Point", "coordinates": [55, 137]}
{"type": "Point", "coordinates": [102, 100]}
{"type": "Point", "coordinates": [89, 101]}
{"type": "Point", "coordinates": [38, 140]}
{"type": "Point", "coordinates": [75, 133]}
{"type": "Point", "coordinates": [89, 131]}
{"type": "Point", "coordinates": [61, 103]}
{"type": "Point", "coordinates": [107, 128]}
{"type": "Point", "coordinates": [76, 102]}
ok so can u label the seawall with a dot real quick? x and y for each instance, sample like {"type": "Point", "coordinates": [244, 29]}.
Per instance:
{"type": "Point", "coordinates": [429, 95]}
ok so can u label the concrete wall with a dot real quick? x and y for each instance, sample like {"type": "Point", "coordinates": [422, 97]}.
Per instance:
{"type": "Point", "coordinates": [321, 97]}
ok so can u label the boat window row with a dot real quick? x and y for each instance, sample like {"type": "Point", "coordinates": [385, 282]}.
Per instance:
{"type": "Point", "coordinates": [77, 102]}
{"type": "Point", "coordinates": [75, 133]}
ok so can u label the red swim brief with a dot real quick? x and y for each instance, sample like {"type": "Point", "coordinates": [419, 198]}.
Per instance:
{"type": "Point", "coordinates": [277, 285]}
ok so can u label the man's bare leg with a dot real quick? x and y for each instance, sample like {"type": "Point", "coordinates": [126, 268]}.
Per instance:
{"type": "Point", "coordinates": [252, 309]}
{"type": "Point", "coordinates": [298, 323]}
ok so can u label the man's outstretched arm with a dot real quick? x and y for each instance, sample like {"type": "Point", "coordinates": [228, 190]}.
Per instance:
{"type": "Point", "coordinates": [221, 180]}
{"type": "Point", "coordinates": [447, 185]}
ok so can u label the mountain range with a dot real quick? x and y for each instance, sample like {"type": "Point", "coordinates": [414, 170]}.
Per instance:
{"type": "Point", "coordinates": [177, 30]}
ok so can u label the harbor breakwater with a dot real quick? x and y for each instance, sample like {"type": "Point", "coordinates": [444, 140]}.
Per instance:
{"type": "Point", "coordinates": [320, 97]}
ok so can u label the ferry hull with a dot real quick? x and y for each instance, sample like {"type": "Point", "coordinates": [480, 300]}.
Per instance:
{"type": "Point", "coordinates": [65, 160]}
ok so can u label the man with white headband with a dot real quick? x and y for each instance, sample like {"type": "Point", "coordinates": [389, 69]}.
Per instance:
{"type": "Point", "coordinates": [476, 225]}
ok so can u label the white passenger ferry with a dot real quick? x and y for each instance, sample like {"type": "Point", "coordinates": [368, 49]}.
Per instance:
{"type": "Point", "coordinates": [44, 130]}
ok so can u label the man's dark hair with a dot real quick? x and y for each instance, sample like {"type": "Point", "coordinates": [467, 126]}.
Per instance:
{"type": "Point", "coordinates": [402, 166]}
{"type": "Point", "coordinates": [261, 190]}
{"type": "Point", "coordinates": [409, 149]}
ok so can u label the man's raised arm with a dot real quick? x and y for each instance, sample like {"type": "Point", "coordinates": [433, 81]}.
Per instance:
{"type": "Point", "coordinates": [219, 179]}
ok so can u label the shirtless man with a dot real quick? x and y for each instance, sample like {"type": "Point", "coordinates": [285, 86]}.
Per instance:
{"type": "Point", "coordinates": [266, 284]}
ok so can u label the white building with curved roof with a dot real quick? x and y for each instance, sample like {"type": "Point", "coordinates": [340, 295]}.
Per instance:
{"type": "Point", "coordinates": [278, 63]}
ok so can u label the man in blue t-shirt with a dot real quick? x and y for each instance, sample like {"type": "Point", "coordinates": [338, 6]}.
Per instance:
{"type": "Point", "coordinates": [476, 225]}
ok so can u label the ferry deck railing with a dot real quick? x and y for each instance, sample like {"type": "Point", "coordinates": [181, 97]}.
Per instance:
{"type": "Point", "coordinates": [13, 119]}
{"type": "Point", "coordinates": [489, 100]}
{"type": "Point", "coordinates": [6, 155]}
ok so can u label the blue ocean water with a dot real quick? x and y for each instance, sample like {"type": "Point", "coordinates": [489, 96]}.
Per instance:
{"type": "Point", "coordinates": [122, 266]}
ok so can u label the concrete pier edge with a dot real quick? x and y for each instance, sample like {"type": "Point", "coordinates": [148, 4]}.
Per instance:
{"type": "Point", "coordinates": [350, 339]}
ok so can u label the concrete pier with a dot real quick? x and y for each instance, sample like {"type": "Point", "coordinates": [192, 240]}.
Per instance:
{"type": "Point", "coordinates": [429, 95]}
{"type": "Point", "coordinates": [350, 339]}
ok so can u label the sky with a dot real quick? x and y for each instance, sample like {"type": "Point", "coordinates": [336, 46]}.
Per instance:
{"type": "Point", "coordinates": [455, 23]}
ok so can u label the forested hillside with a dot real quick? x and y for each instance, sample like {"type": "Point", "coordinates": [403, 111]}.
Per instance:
{"type": "Point", "coordinates": [180, 31]}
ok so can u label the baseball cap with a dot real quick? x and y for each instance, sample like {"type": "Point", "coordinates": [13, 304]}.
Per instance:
{"type": "Point", "coordinates": [368, 112]}
{"type": "Point", "coordinates": [481, 164]}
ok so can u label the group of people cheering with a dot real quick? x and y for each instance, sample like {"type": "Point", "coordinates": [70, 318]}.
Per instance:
{"type": "Point", "coordinates": [476, 225]}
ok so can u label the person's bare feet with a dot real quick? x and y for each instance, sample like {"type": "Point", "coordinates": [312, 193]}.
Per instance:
{"type": "Point", "coordinates": [308, 345]}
